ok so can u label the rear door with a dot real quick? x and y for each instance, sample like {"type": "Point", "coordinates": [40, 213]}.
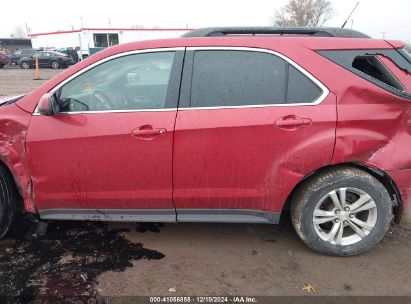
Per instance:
{"type": "Point", "coordinates": [250, 125]}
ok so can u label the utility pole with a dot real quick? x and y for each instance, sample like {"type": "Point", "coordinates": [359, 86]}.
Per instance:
{"type": "Point", "coordinates": [383, 35]}
{"type": "Point", "coordinates": [27, 30]}
{"type": "Point", "coordinates": [109, 22]}
{"type": "Point", "coordinates": [81, 21]}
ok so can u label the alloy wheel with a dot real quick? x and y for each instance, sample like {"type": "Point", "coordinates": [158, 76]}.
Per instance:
{"type": "Point", "coordinates": [345, 216]}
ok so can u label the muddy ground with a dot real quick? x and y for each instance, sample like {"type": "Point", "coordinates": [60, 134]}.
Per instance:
{"type": "Point", "coordinates": [84, 259]}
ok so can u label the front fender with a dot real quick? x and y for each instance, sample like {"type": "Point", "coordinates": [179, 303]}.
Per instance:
{"type": "Point", "coordinates": [13, 129]}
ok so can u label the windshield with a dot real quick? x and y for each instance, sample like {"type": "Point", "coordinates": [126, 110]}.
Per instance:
{"type": "Point", "coordinates": [10, 99]}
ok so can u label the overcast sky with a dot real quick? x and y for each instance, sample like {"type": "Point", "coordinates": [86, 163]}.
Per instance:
{"type": "Point", "coordinates": [372, 16]}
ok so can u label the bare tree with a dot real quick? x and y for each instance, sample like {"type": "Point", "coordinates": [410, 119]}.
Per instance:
{"type": "Point", "coordinates": [304, 13]}
{"type": "Point", "coordinates": [18, 32]}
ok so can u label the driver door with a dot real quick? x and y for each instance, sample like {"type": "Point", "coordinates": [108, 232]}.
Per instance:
{"type": "Point", "coordinates": [107, 154]}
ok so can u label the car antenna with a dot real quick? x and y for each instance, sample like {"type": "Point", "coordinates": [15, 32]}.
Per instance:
{"type": "Point", "coordinates": [350, 14]}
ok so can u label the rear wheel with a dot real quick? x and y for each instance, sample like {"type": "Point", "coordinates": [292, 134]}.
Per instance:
{"type": "Point", "coordinates": [55, 65]}
{"type": "Point", "coordinates": [343, 211]}
{"type": "Point", "coordinates": [25, 65]}
{"type": "Point", "coordinates": [8, 200]}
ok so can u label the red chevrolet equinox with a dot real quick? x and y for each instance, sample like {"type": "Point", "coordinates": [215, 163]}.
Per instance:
{"type": "Point", "coordinates": [233, 125]}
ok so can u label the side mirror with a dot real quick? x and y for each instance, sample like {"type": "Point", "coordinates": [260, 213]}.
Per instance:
{"type": "Point", "coordinates": [48, 104]}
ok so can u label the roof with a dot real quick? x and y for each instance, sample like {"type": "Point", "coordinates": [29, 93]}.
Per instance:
{"type": "Point", "coordinates": [309, 31]}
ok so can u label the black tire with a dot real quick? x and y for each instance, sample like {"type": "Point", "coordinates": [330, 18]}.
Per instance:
{"type": "Point", "coordinates": [25, 65]}
{"type": "Point", "coordinates": [8, 200]}
{"type": "Point", "coordinates": [55, 65]}
{"type": "Point", "coordinates": [311, 193]}
{"type": "Point", "coordinates": [1, 66]}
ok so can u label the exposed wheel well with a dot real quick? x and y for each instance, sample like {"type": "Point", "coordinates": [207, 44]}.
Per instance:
{"type": "Point", "coordinates": [15, 187]}
{"type": "Point", "coordinates": [380, 175]}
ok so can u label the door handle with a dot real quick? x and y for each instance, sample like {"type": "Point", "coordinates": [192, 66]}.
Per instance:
{"type": "Point", "coordinates": [147, 132]}
{"type": "Point", "coordinates": [292, 121]}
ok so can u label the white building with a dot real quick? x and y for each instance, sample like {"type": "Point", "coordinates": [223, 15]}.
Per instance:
{"type": "Point", "coordinates": [89, 40]}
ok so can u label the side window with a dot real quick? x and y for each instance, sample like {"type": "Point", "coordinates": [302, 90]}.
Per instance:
{"type": "Point", "coordinates": [373, 66]}
{"type": "Point", "coordinates": [403, 76]}
{"type": "Point", "coordinates": [237, 78]}
{"type": "Point", "coordinates": [130, 82]}
{"type": "Point", "coordinates": [241, 78]}
{"type": "Point", "coordinates": [388, 69]}
{"type": "Point", "coordinates": [301, 89]}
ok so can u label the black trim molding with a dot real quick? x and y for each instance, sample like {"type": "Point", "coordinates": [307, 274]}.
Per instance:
{"type": "Point", "coordinates": [164, 215]}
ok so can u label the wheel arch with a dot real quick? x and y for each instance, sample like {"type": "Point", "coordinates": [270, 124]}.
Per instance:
{"type": "Point", "coordinates": [14, 184]}
{"type": "Point", "coordinates": [379, 174]}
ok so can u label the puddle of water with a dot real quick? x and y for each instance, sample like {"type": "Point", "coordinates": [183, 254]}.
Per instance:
{"type": "Point", "coordinates": [64, 263]}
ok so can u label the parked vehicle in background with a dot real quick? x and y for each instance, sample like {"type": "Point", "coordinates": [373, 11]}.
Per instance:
{"type": "Point", "coordinates": [87, 41]}
{"type": "Point", "coordinates": [74, 54]}
{"type": "Point", "coordinates": [241, 125]}
{"type": "Point", "coordinates": [53, 60]}
{"type": "Point", "coordinates": [4, 59]}
{"type": "Point", "coordinates": [17, 55]}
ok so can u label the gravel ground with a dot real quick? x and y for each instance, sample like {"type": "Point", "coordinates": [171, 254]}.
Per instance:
{"type": "Point", "coordinates": [14, 80]}
{"type": "Point", "coordinates": [91, 259]}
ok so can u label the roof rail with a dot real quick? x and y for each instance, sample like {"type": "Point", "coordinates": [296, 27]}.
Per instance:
{"type": "Point", "coordinates": [310, 31]}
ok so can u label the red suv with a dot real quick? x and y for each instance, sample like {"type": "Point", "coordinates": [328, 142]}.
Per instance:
{"type": "Point", "coordinates": [233, 125]}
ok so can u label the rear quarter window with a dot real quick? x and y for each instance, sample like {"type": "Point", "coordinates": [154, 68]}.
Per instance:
{"type": "Point", "coordinates": [373, 66]}
{"type": "Point", "coordinates": [387, 68]}
{"type": "Point", "coordinates": [406, 54]}
{"type": "Point", "coordinates": [403, 76]}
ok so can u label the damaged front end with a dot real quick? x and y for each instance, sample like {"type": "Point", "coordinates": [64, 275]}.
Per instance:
{"type": "Point", "coordinates": [13, 129]}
